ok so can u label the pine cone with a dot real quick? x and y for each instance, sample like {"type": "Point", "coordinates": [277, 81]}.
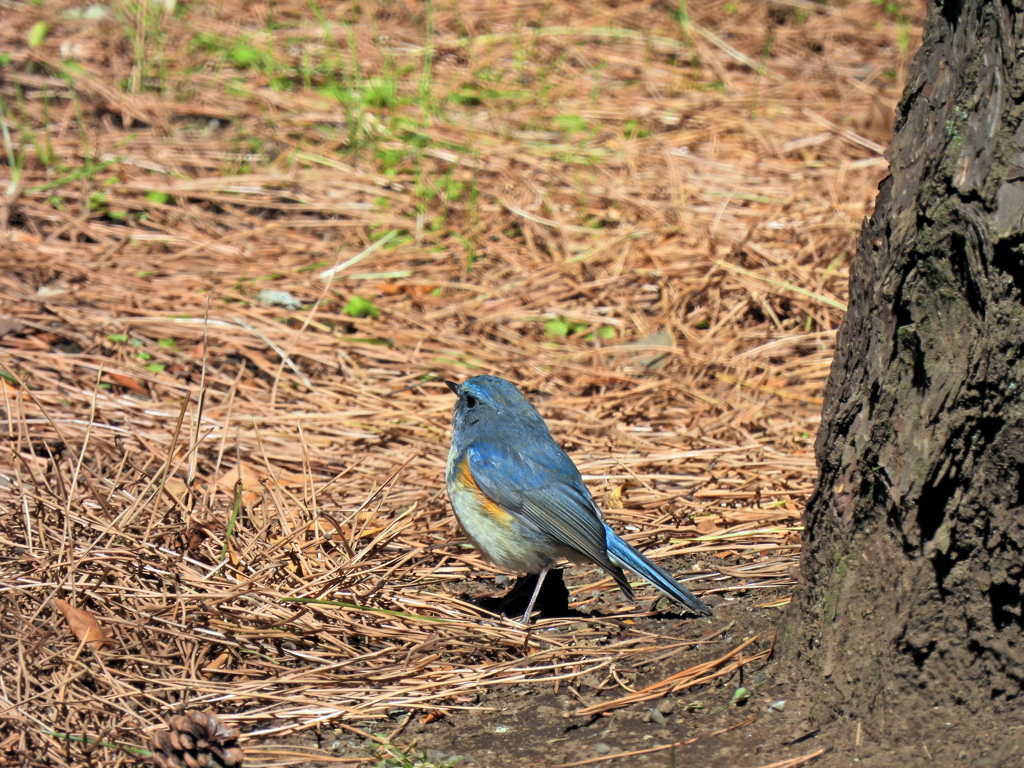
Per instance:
{"type": "Point", "coordinates": [196, 740]}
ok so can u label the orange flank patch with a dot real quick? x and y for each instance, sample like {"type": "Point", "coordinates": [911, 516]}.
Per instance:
{"type": "Point", "coordinates": [486, 506]}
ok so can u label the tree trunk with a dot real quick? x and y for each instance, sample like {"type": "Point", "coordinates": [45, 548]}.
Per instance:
{"type": "Point", "coordinates": [913, 560]}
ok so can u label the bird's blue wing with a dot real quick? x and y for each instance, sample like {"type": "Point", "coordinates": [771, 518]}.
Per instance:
{"type": "Point", "coordinates": [543, 490]}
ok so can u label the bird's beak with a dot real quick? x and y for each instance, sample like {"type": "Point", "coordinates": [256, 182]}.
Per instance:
{"type": "Point", "coordinates": [453, 386]}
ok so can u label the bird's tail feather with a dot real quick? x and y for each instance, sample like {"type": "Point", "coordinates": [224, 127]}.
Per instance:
{"type": "Point", "coordinates": [622, 554]}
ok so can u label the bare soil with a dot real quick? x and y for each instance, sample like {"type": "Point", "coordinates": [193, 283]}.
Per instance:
{"type": "Point", "coordinates": [532, 726]}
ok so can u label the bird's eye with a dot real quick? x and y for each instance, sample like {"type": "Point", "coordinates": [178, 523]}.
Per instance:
{"type": "Point", "coordinates": [470, 401]}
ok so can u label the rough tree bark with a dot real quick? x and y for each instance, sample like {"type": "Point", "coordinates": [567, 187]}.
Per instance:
{"type": "Point", "coordinates": [913, 549]}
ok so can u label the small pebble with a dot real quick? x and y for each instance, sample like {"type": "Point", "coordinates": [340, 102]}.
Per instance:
{"type": "Point", "coordinates": [654, 716]}
{"type": "Point", "coordinates": [441, 758]}
{"type": "Point", "coordinates": [273, 298]}
{"type": "Point", "coordinates": [777, 706]}
{"type": "Point", "coordinates": [602, 749]}
{"type": "Point", "coordinates": [501, 729]}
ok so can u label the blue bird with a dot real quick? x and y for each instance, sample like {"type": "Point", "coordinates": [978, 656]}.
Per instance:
{"type": "Point", "coordinates": [522, 502]}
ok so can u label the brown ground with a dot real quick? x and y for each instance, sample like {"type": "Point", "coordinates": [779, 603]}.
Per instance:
{"type": "Point", "coordinates": [643, 220]}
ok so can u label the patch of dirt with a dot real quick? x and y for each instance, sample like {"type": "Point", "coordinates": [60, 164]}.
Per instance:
{"type": "Point", "coordinates": [520, 725]}
{"type": "Point", "coordinates": [719, 723]}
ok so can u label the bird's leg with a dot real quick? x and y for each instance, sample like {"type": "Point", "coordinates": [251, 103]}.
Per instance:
{"type": "Point", "coordinates": [533, 597]}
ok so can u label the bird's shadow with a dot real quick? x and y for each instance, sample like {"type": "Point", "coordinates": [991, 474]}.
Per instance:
{"type": "Point", "coordinates": [552, 602]}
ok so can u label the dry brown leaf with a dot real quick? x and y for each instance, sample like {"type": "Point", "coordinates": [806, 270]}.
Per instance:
{"type": "Point", "coordinates": [127, 382]}
{"type": "Point", "coordinates": [707, 525]}
{"type": "Point", "coordinates": [84, 626]}
{"type": "Point", "coordinates": [10, 325]}
{"type": "Point", "coordinates": [252, 481]}
{"type": "Point", "coordinates": [195, 538]}
{"type": "Point", "coordinates": [252, 488]}
{"type": "Point", "coordinates": [418, 291]}
{"type": "Point", "coordinates": [176, 486]}
{"type": "Point", "coordinates": [12, 390]}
